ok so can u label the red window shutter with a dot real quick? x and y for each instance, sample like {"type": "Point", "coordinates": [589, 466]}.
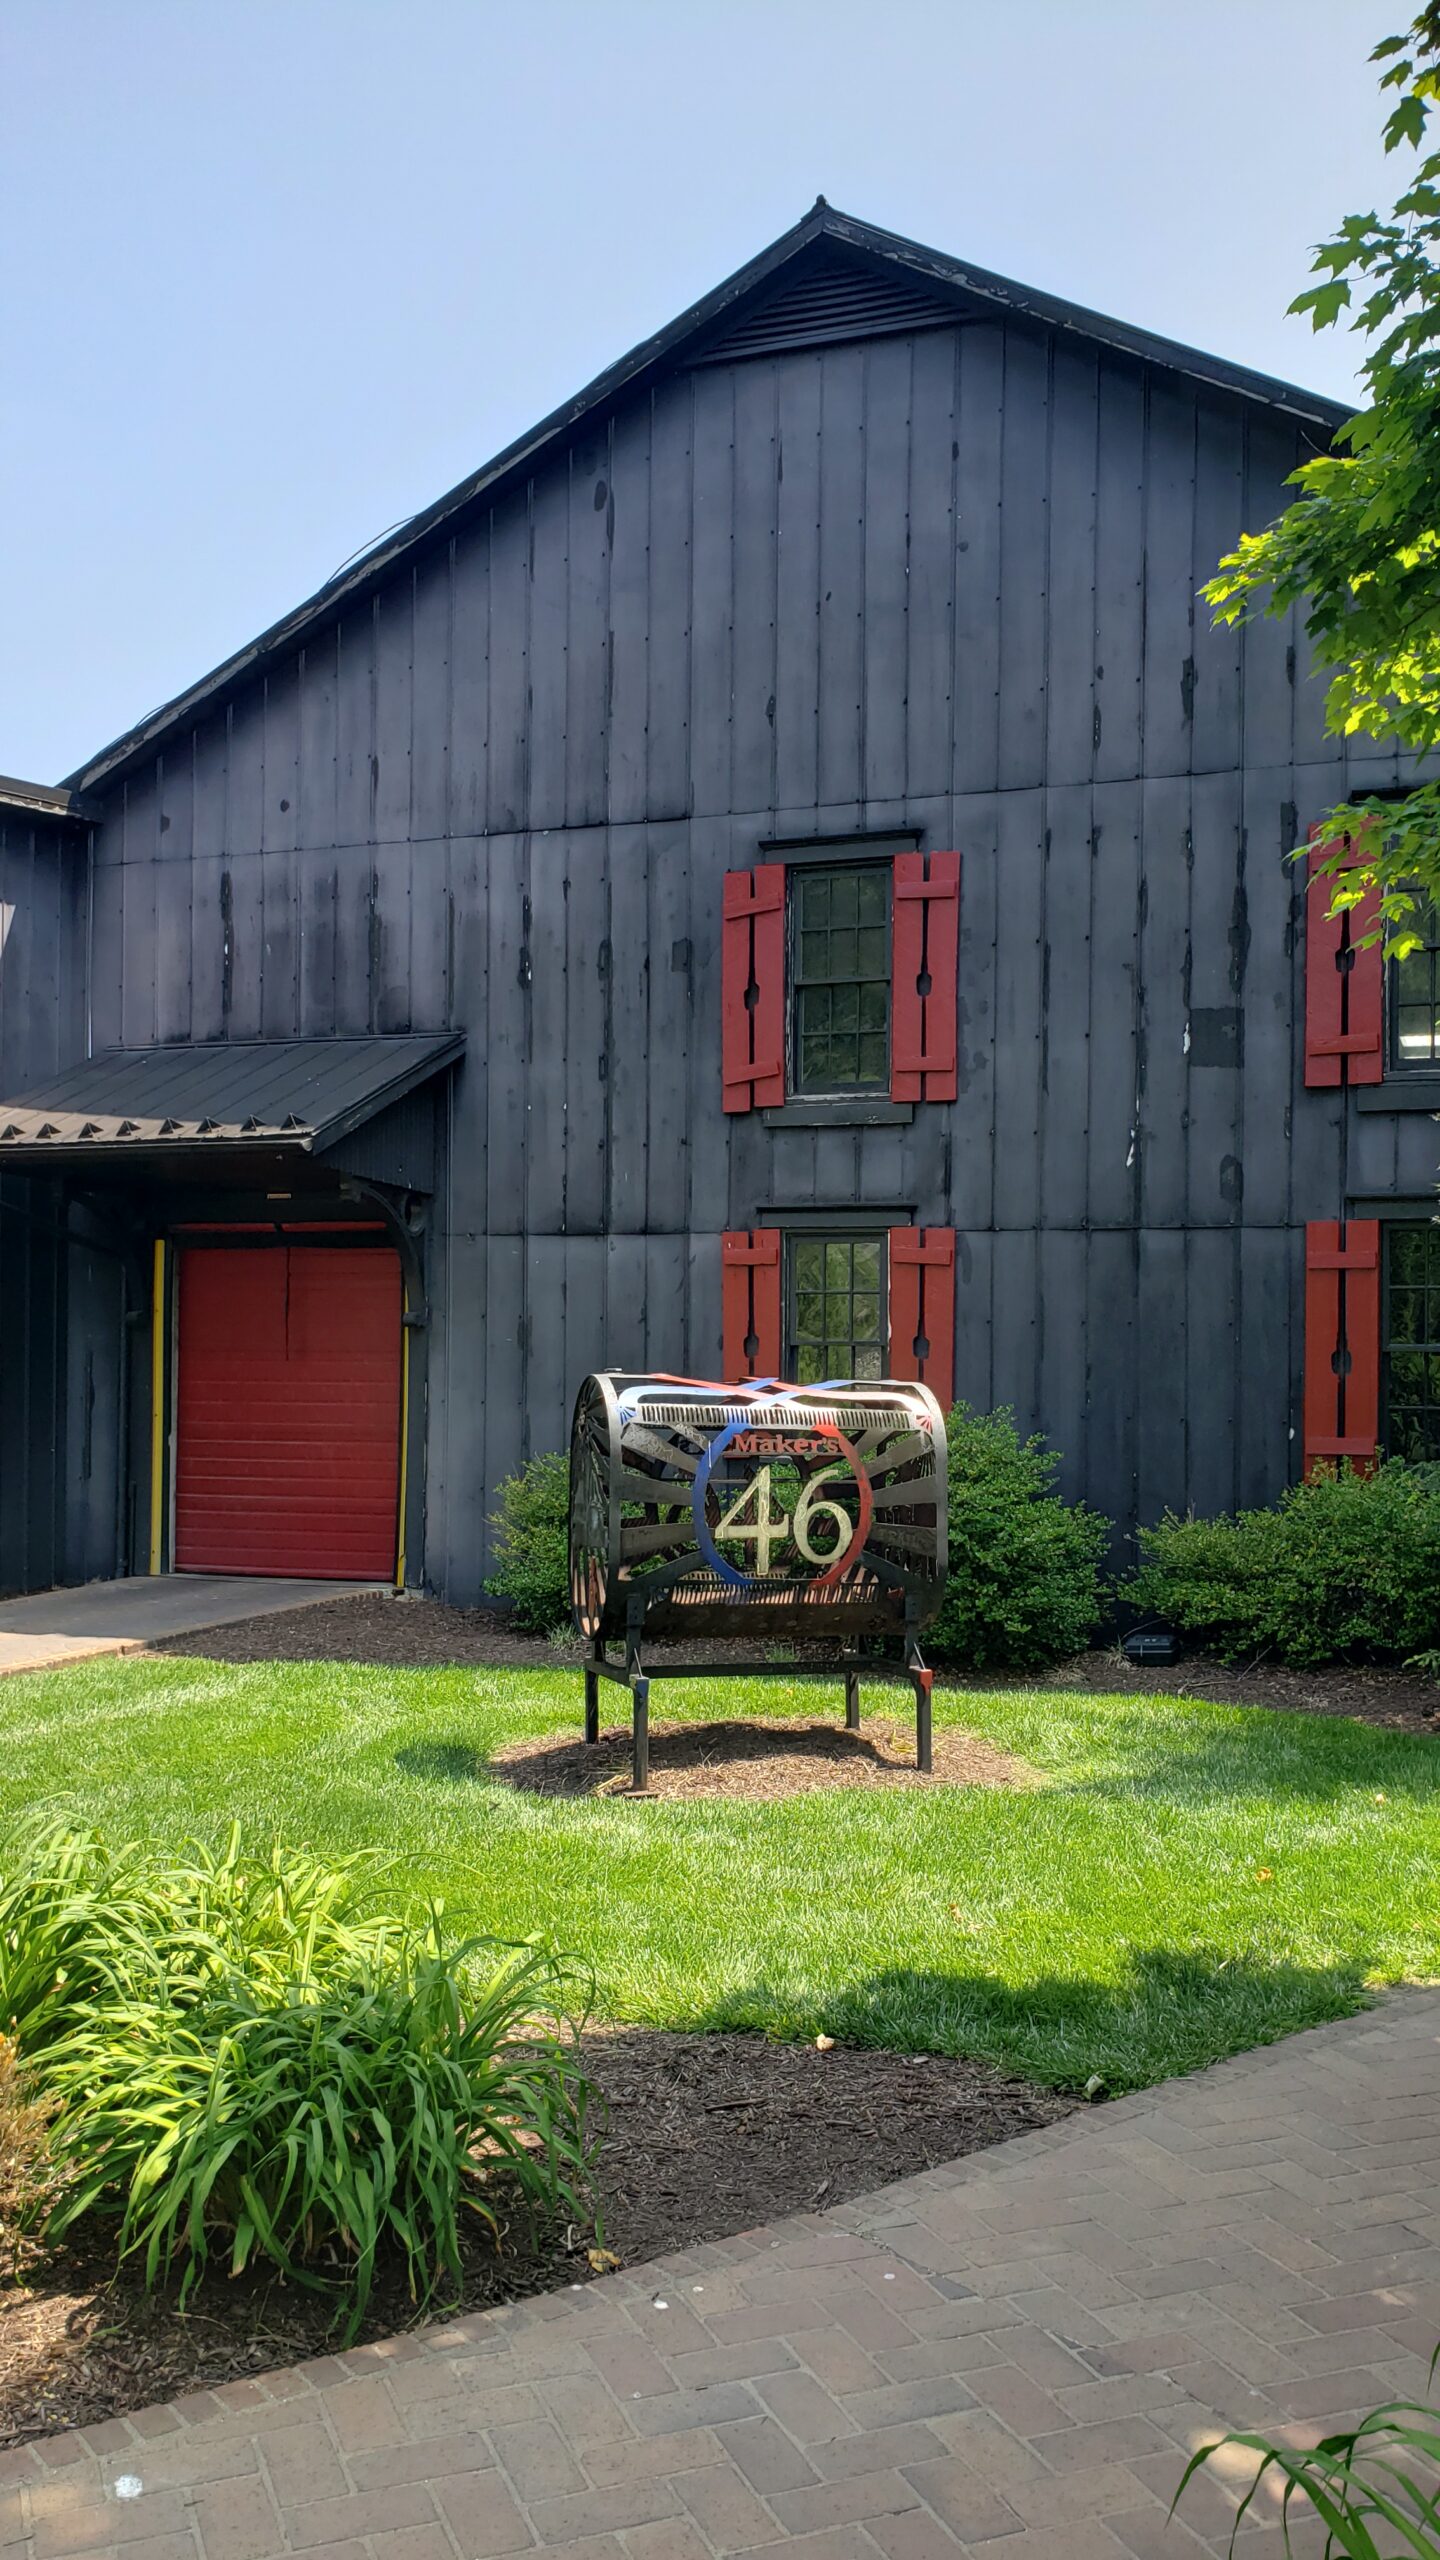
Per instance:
{"type": "Point", "coordinates": [1342, 1340]}
{"type": "Point", "coordinates": [1344, 986]}
{"type": "Point", "coordinates": [750, 1302]}
{"type": "Point", "coordinates": [922, 1308]}
{"type": "Point", "coordinates": [925, 963]}
{"type": "Point", "coordinates": [752, 987]}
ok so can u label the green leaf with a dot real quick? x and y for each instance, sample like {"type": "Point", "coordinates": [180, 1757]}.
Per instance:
{"type": "Point", "coordinates": [1324, 302]}
{"type": "Point", "coordinates": [1406, 122]}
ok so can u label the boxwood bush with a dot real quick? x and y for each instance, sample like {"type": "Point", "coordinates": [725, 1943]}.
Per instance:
{"type": "Point", "coordinates": [1345, 1566]}
{"type": "Point", "coordinates": [532, 1554]}
{"type": "Point", "coordinates": [1024, 1566]}
{"type": "Point", "coordinates": [1024, 1586]}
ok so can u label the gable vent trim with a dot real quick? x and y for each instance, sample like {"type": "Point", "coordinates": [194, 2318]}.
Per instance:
{"type": "Point", "coordinates": [828, 306]}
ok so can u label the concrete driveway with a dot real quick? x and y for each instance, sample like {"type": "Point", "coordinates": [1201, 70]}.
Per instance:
{"type": "Point", "coordinates": [50, 1628]}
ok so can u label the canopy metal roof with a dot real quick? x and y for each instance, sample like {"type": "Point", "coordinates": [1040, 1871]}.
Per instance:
{"type": "Point", "coordinates": [217, 1096]}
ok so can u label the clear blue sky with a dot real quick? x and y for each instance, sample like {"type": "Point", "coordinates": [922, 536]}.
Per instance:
{"type": "Point", "coordinates": [275, 273]}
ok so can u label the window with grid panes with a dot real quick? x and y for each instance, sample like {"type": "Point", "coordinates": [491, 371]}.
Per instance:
{"type": "Point", "coordinates": [840, 978]}
{"type": "Point", "coordinates": [835, 1308]}
{"type": "Point", "coordinates": [1415, 997]}
{"type": "Point", "coordinates": [1412, 1342]}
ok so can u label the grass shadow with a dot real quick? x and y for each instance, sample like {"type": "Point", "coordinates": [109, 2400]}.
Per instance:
{"type": "Point", "coordinates": [444, 1763]}
{"type": "Point", "coordinates": [1197, 1748]}
{"type": "Point", "coordinates": [1174, 2011]}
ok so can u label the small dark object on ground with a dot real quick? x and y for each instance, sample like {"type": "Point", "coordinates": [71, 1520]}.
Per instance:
{"type": "Point", "coordinates": [420, 1635]}
{"type": "Point", "coordinates": [1151, 1644]}
{"type": "Point", "coordinates": [707, 2135]}
{"type": "Point", "coordinates": [759, 1760]}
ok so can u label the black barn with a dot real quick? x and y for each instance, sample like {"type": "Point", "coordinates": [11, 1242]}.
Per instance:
{"type": "Point", "coordinates": [775, 870]}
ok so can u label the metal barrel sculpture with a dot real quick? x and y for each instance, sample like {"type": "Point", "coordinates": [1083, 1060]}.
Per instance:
{"type": "Point", "coordinates": [766, 1509]}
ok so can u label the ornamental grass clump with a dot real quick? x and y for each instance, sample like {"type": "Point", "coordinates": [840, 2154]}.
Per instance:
{"type": "Point", "coordinates": [1375, 2488]}
{"type": "Point", "coordinates": [248, 2061]}
{"type": "Point", "coordinates": [28, 2175]}
{"type": "Point", "coordinates": [311, 2130]}
{"type": "Point", "coordinates": [84, 1925]}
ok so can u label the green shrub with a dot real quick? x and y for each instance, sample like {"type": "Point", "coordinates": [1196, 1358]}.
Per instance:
{"type": "Point", "coordinates": [309, 2130]}
{"type": "Point", "coordinates": [85, 1925]}
{"type": "Point", "coordinates": [532, 1558]}
{"type": "Point", "coordinates": [1342, 1566]}
{"type": "Point", "coordinates": [1024, 1586]}
{"type": "Point", "coordinates": [250, 2054]}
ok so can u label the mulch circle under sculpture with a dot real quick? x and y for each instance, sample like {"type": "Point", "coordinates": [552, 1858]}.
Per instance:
{"type": "Point", "coordinates": [759, 1760]}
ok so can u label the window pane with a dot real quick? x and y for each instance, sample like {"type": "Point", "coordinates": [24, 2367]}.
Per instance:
{"type": "Point", "coordinates": [1412, 1342]}
{"type": "Point", "coordinates": [1407, 1254]}
{"type": "Point", "coordinates": [845, 897]}
{"type": "Point", "coordinates": [1407, 1315]}
{"type": "Point", "coordinates": [1407, 1376]}
{"type": "Point", "coordinates": [837, 1331]}
{"type": "Point", "coordinates": [814, 895]}
{"type": "Point", "coordinates": [1414, 996]}
{"type": "Point", "coordinates": [841, 978]}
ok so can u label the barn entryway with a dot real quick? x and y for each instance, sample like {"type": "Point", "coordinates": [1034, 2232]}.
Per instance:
{"type": "Point", "coordinates": [287, 1408]}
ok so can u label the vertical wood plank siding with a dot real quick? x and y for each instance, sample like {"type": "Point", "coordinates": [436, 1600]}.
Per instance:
{"type": "Point", "coordinates": [58, 1442]}
{"type": "Point", "coordinates": [946, 580]}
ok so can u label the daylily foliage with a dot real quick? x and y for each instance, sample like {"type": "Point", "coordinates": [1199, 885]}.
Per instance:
{"type": "Point", "coordinates": [1359, 548]}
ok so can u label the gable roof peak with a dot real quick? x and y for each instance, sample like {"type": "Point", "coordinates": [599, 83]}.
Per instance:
{"type": "Point", "coordinates": [698, 335]}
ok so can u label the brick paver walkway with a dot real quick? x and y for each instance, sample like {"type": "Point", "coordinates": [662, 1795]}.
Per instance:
{"type": "Point", "coordinates": [1017, 2350]}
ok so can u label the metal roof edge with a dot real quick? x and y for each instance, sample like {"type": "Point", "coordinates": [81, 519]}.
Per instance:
{"type": "Point", "coordinates": [42, 800]}
{"type": "Point", "coordinates": [824, 221]}
{"type": "Point", "coordinates": [448, 1048]}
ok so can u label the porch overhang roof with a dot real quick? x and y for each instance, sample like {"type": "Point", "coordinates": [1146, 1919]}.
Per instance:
{"type": "Point", "coordinates": [214, 1099]}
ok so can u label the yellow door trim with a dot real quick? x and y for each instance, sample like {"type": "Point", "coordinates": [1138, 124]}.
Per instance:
{"type": "Point", "coordinates": [404, 1452]}
{"type": "Point", "coordinates": [158, 1486]}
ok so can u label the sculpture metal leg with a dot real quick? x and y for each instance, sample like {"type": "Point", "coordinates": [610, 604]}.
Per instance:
{"type": "Point", "coordinates": [852, 1701]}
{"type": "Point", "coordinates": [640, 1765]}
{"type": "Point", "coordinates": [924, 1749]}
{"type": "Point", "coordinates": [592, 1704]}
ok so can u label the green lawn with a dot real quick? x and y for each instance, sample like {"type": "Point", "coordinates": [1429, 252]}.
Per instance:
{"type": "Point", "coordinates": [1191, 1879]}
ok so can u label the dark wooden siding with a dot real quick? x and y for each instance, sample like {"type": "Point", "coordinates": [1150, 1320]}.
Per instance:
{"type": "Point", "coordinates": [58, 1444]}
{"type": "Point", "coordinates": [944, 581]}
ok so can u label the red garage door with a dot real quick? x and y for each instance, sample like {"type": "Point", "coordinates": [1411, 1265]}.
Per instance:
{"type": "Point", "coordinates": [287, 1410]}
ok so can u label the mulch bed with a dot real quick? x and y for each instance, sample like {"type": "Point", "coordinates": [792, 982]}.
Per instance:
{"type": "Point", "coordinates": [760, 1761]}
{"type": "Point", "coordinates": [706, 2135]}
{"type": "Point", "coordinates": [417, 1634]}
